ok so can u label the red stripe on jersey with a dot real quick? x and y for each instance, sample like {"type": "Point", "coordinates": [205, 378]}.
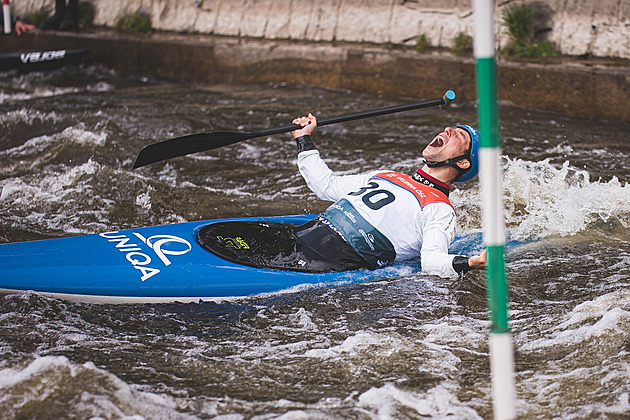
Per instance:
{"type": "Point", "coordinates": [423, 193]}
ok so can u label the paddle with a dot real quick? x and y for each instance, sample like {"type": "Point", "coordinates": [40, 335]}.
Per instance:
{"type": "Point", "coordinates": [200, 142]}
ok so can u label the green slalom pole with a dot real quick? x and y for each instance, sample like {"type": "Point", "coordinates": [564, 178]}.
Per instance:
{"type": "Point", "coordinates": [490, 176]}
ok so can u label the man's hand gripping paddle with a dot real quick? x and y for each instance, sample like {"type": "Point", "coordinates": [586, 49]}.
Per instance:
{"type": "Point", "coordinates": [193, 143]}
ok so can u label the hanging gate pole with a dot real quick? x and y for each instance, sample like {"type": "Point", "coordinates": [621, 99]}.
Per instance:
{"type": "Point", "coordinates": [490, 176]}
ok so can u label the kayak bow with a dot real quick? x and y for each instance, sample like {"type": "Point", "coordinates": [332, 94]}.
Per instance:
{"type": "Point", "coordinates": [40, 60]}
{"type": "Point", "coordinates": [147, 265]}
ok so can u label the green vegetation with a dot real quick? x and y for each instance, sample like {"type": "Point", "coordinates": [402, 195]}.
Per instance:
{"type": "Point", "coordinates": [37, 17]}
{"type": "Point", "coordinates": [422, 42]}
{"type": "Point", "coordinates": [135, 23]}
{"type": "Point", "coordinates": [541, 49]}
{"type": "Point", "coordinates": [521, 22]}
{"type": "Point", "coordinates": [86, 14]}
{"type": "Point", "coordinates": [462, 45]}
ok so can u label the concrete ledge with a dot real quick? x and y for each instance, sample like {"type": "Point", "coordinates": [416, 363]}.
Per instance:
{"type": "Point", "coordinates": [574, 88]}
{"type": "Point", "coordinates": [596, 28]}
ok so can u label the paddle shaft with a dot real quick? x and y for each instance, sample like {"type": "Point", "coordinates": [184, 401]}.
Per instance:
{"type": "Point", "coordinates": [354, 116]}
{"type": "Point", "coordinates": [200, 142]}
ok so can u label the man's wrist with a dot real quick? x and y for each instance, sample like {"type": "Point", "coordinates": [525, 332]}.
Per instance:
{"type": "Point", "coordinates": [460, 264]}
{"type": "Point", "coordinates": [304, 143]}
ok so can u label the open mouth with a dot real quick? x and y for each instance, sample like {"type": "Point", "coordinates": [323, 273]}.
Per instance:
{"type": "Point", "coordinates": [437, 142]}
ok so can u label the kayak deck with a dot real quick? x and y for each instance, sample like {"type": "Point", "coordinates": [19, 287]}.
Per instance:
{"type": "Point", "coordinates": [148, 265]}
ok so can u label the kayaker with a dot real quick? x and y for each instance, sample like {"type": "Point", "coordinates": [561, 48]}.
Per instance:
{"type": "Point", "coordinates": [18, 25]}
{"type": "Point", "coordinates": [65, 18]}
{"type": "Point", "coordinates": [384, 216]}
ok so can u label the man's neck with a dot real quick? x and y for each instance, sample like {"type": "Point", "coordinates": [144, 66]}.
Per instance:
{"type": "Point", "coordinates": [426, 179]}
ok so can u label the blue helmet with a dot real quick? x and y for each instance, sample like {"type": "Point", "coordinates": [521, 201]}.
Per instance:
{"type": "Point", "coordinates": [475, 137]}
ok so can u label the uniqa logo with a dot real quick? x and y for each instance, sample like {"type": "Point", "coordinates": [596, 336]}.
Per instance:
{"type": "Point", "coordinates": [36, 57]}
{"type": "Point", "coordinates": [161, 245]}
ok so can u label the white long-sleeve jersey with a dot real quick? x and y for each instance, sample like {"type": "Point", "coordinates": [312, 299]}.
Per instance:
{"type": "Point", "coordinates": [417, 219]}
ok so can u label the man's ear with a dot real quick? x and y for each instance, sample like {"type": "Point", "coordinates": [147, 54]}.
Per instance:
{"type": "Point", "coordinates": [463, 163]}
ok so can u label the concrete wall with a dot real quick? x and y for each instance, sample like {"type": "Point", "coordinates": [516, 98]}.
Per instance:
{"type": "Point", "coordinates": [596, 27]}
{"type": "Point", "coordinates": [569, 88]}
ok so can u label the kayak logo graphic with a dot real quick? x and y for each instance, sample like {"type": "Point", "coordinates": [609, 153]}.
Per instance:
{"type": "Point", "coordinates": [236, 243]}
{"type": "Point", "coordinates": [156, 242]}
{"type": "Point", "coordinates": [36, 57]}
{"type": "Point", "coordinates": [161, 245]}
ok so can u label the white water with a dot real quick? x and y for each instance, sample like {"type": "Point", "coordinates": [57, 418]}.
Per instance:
{"type": "Point", "coordinates": [544, 200]}
{"type": "Point", "coordinates": [103, 395]}
{"type": "Point", "coordinates": [407, 347]}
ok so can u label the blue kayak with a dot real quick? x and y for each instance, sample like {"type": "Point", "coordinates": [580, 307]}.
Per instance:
{"type": "Point", "coordinates": [150, 265]}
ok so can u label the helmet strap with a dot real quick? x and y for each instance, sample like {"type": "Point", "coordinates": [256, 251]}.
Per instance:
{"type": "Point", "coordinates": [452, 162]}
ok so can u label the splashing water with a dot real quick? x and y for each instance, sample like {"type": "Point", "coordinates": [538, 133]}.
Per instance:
{"type": "Point", "coordinates": [543, 200]}
{"type": "Point", "coordinates": [407, 347]}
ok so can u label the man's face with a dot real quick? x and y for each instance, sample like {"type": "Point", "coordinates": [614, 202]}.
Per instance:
{"type": "Point", "coordinates": [448, 144]}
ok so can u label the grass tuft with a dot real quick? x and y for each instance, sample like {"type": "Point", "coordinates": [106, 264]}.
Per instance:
{"type": "Point", "coordinates": [462, 45]}
{"type": "Point", "coordinates": [422, 43]}
{"type": "Point", "coordinates": [521, 23]}
{"type": "Point", "coordinates": [134, 23]}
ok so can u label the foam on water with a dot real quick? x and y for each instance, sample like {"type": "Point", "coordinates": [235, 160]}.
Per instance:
{"type": "Point", "coordinates": [391, 402]}
{"type": "Point", "coordinates": [52, 188]}
{"type": "Point", "coordinates": [576, 393]}
{"type": "Point", "coordinates": [37, 151]}
{"type": "Point", "coordinates": [51, 192]}
{"type": "Point", "coordinates": [36, 85]}
{"type": "Point", "coordinates": [412, 346]}
{"type": "Point", "coordinates": [27, 116]}
{"type": "Point", "coordinates": [85, 390]}
{"type": "Point", "coordinates": [607, 315]}
{"type": "Point", "coordinates": [36, 93]}
{"type": "Point", "coordinates": [80, 135]}
{"type": "Point", "coordinates": [544, 200]}
{"type": "Point", "coordinates": [585, 358]}
{"type": "Point", "coordinates": [59, 386]}
{"type": "Point", "coordinates": [54, 199]}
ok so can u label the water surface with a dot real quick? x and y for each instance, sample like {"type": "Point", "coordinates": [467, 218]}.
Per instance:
{"type": "Point", "coordinates": [412, 347]}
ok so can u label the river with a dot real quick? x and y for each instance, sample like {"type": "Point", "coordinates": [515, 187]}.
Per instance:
{"type": "Point", "coordinates": [409, 347]}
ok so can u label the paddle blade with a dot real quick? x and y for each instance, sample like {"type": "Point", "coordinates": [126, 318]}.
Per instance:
{"type": "Point", "coordinates": [181, 146]}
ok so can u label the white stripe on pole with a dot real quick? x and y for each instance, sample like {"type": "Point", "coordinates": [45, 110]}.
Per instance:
{"type": "Point", "coordinates": [6, 12]}
{"type": "Point", "coordinates": [490, 175]}
{"type": "Point", "coordinates": [484, 28]}
{"type": "Point", "coordinates": [503, 394]}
